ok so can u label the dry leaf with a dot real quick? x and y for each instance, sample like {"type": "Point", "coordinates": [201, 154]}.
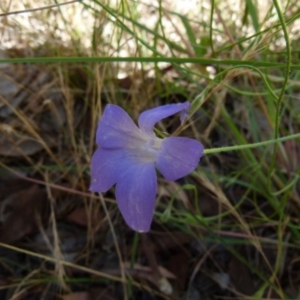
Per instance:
{"type": "Point", "coordinates": [20, 212]}
{"type": "Point", "coordinates": [102, 294]}
{"type": "Point", "coordinates": [82, 217]}
{"type": "Point", "coordinates": [178, 265]}
{"type": "Point", "coordinates": [77, 296]}
{"type": "Point", "coordinates": [240, 277]}
{"type": "Point", "coordinates": [14, 144]}
{"type": "Point", "coordinates": [166, 241]}
{"type": "Point", "coordinates": [30, 100]}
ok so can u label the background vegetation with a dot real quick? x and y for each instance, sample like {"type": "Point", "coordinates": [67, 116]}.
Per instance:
{"type": "Point", "coordinates": [229, 230]}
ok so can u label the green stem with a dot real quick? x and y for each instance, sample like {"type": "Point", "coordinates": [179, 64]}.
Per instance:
{"type": "Point", "coordinates": [254, 145]}
{"type": "Point", "coordinates": [195, 60]}
{"type": "Point", "coordinates": [284, 85]}
{"type": "Point", "coordinates": [288, 66]}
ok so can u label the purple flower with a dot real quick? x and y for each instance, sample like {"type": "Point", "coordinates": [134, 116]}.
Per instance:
{"type": "Point", "coordinates": [128, 155]}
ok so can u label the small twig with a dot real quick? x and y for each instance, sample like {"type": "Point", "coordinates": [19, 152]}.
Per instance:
{"type": "Point", "coordinates": [37, 9]}
{"type": "Point", "coordinates": [54, 186]}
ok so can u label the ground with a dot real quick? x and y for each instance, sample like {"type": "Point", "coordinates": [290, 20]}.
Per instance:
{"type": "Point", "coordinates": [228, 230]}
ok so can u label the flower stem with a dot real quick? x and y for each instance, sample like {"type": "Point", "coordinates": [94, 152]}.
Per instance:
{"type": "Point", "coordinates": [254, 145]}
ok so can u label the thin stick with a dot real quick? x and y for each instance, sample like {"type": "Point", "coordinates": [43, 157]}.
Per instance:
{"type": "Point", "coordinates": [37, 9]}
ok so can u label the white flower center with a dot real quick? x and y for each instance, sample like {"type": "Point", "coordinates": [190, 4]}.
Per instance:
{"type": "Point", "coordinates": [150, 148]}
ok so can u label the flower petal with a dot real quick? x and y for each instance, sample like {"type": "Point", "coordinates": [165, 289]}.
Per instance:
{"type": "Point", "coordinates": [178, 156]}
{"type": "Point", "coordinates": [109, 164]}
{"type": "Point", "coordinates": [135, 193]}
{"type": "Point", "coordinates": [150, 117]}
{"type": "Point", "coordinates": [117, 130]}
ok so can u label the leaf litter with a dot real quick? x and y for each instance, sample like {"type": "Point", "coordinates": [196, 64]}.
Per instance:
{"type": "Point", "coordinates": [174, 261]}
{"type": "Point", "coordinates": [25, 220]}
